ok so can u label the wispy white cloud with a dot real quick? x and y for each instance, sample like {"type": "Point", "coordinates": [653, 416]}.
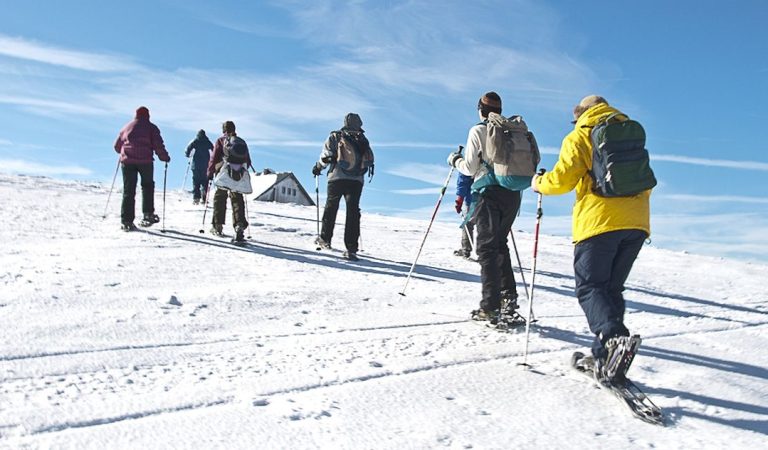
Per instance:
{"type": "Point", "coordinates": [25, 49]}
{"type": "Point", "coordinates": [30, 167]}
{"type": "Point", "coordinates": [422, 191]}
{"type": "Point", "coordinates": [715, 198]}
{"type": "Point", "coordinates": [429, 173]}
{"type": "Point", "coordinates": [745, 165]}
{"type": "Point", "coordinates": [5, 142]}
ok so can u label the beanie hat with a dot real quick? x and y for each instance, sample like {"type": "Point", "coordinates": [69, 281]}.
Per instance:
{"type": "Point", "coordinates": [586, 103]}
{"type": "Point", "coordinates": [142, 112]}
{"type": "Point", "coordinates": [228, 126]}
{"type": "Point", "coordinates": [353, 122]}
{"type": "Point", "coordinates": [489, 102]}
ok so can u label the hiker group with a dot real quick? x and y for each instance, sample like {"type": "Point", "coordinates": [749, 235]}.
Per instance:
{"type": "Point", "coordinates": [603, 159]}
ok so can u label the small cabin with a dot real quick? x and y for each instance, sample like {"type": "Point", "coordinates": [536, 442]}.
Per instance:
{"type": "Point", "coordinates": [284, 187]}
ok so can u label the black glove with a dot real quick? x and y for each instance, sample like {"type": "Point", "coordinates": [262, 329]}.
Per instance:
{"type": "Point", "coordinates": [316, 169]}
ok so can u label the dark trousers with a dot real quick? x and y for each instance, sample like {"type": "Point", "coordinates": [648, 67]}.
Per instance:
{"type": "Point", "coordinates": [199, 184]}
{"type": "Point", "coordinates": [351, 190]}
{"type": "Point", "coordinates": [131, 173]}
{"type": "Point", "coordinates": [494, 215]}
{"type": "Point", "coordinates": [601, 265]}
{"type": "Point", "coordinates": [220, 208]}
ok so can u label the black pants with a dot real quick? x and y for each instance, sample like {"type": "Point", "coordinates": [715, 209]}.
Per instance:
{"type": "Point", "coordinates": [494, 214]}
{"type": "Point", "coordinates": [220, 208]}
{"type": "Point", "coordinates": [199, 184]}
{"type": "Point", "coordinates": [351, 190]}
{"type": "Point", "coordinates": [131, 173]}
{"type": "Point", "coordinates": [601, 265]}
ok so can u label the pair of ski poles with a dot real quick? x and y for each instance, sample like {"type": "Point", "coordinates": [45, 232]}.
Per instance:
{"type": "Point", "coordinates": [539, 214]}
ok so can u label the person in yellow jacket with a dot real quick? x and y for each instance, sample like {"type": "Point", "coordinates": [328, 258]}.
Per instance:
{"type": "Point", "coordinates": [608, 233]}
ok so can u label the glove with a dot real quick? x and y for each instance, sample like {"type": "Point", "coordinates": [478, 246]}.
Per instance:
{"type": "Point", "coordinates": [316, 169]}
{"type": "Point", "coordinates": [459, 203]}
{"type": "Point", "coordinates": [452, 158]}
{"type": "Point", "coordinates": [534, 183]}
{"type": "Point", "coordinates": [167, 158]}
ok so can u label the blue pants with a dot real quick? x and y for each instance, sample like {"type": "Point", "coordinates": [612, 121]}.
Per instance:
{"type": "Point", "coordinates": [601, 265]}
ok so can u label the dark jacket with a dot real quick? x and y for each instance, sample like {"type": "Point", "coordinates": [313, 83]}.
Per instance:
{"type": "Point", "coordinates": [137, 141]}
{"type": "Point", "coordinates": [202, 147]}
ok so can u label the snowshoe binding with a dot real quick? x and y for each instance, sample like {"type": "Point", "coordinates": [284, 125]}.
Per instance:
{"type": "Point", "coordinates": [322, 244]}
{"type": "Point", "coordinates": [149, 220]}
{"type": "Point", "coordinates": [128, 226]}
{"type": "Point", "coordinates": [351, 256]}
{"type": "Point", "coordinates": [216, 230]}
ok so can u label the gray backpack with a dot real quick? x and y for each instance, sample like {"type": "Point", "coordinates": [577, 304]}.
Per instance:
{"type": "Point", "coordinates": [510, 147]}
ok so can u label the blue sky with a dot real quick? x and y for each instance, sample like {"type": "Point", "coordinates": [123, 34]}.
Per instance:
{"type": "Point", "coordinates": [695, 73]}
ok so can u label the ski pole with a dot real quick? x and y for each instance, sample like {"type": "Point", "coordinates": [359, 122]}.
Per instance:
{"type": "Point", "coordinates": [520, 265]}
{"type": "Point", "coordinates": [184, 183]}
{"type": "Point", "coordinates": [434, 214]}
{"type": "Point", "coordinates": [539, 213]}
{"type": "Point", "coordinates": [110, 189]}
{"type": "Point", "coordinates": [165, 180]}
{"type": "Point", "coordinates": [317, 203]}
{"type": "Point", "coordinates": [205, 207]}
{"type": "Point", "coordinates": [247, 216]}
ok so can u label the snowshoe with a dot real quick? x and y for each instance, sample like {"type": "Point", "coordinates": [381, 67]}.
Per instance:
{"type": "Point", "coordinates": [128, 227]}
{"type": "Point", "coordinates": [196, 201]}
{"type": "Point", "coordinates": [621, 353]}
{"type": "Point", "coordinates": [481, 315]}
{"type": "Point", "coordinates": [149, 220]}
{"type": "Point", "coordinates": [239, 235]}
{"type": "Point", "coordinates": [351, 256]}
{"type": "Point", "coordinates": [322, 244]}
{"type": "Point", "coordinates": [216, 231]}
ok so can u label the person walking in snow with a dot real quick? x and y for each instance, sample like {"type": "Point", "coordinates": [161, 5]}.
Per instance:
{"type": "Point", "coordinates": [349, 155]}
{"type": "Point", "coordinates": [462, 204]}
{"type": "Point", "coordinates": [135, 143]}
{"type": "Point", "coordinates": [608, 232]}
{"type": "Point", "coordinates": [200, 149]}
{"type": "Point", "coordinates": [229, 149]}
{"type": "Point", "coordinates": [498, 201]}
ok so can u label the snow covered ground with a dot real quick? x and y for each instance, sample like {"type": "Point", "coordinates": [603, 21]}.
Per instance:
{"type": "Point", "coordinates": [181, 340]}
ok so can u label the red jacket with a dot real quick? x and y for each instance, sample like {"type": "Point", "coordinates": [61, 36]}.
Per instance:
{"type": "Point", "coordinates": [138, 139]}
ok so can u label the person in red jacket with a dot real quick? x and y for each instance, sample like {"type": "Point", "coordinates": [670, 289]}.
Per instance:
{"type": "Point", "coordinates": [136, 143]}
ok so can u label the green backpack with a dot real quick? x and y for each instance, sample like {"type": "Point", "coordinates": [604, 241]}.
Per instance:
{"type": "Point", "coordinates": [621, 166]}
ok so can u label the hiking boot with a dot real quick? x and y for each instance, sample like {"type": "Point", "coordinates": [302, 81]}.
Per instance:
{"type": "Point", "coordinates": [239, 234]}
{"type": "Point", "coordinates": [509, 304]}
{"type": "Point", "coordinates": [149, 219]}
{"type": "Point", "coordinates": [216, 230]}
{"type": "Point", "coordinates": [196, 201]}
{"type": "Point", "coordinates": [613, 368]}
{"type": "Point", "coordinates": [352, 256]}
{"type": "Point", "coordinates": [128, 226]}
{"type": "Point", "coordinates": [484, 315]}
{"type": "Point", "coordinates": [321, 244]}
{"type": "Point", "coordinates": [463, 253]}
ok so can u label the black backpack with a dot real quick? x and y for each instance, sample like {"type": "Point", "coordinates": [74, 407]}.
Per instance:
{"type": "Point", "coordinates": [354, 156]}
{"type": "Point", "coordinates": [235, 150]}
{"type": "Point", "coordinates": [621, 166]}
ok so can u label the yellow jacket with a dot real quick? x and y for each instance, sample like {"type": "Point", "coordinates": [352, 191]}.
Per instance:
{"type": "Point", "coordinates": [592, 214]}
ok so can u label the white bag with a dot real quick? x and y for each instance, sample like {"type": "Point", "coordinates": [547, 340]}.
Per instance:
{"type": "Point", "coordinates": [234, 177]}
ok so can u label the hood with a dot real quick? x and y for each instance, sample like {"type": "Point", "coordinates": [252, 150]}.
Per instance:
{"type": "Point", "coordinates": [142, 113]}
{"type": "Point", "coordinates": [353, 122]}
{"type": "Point", "coordinates": [595, 114]}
